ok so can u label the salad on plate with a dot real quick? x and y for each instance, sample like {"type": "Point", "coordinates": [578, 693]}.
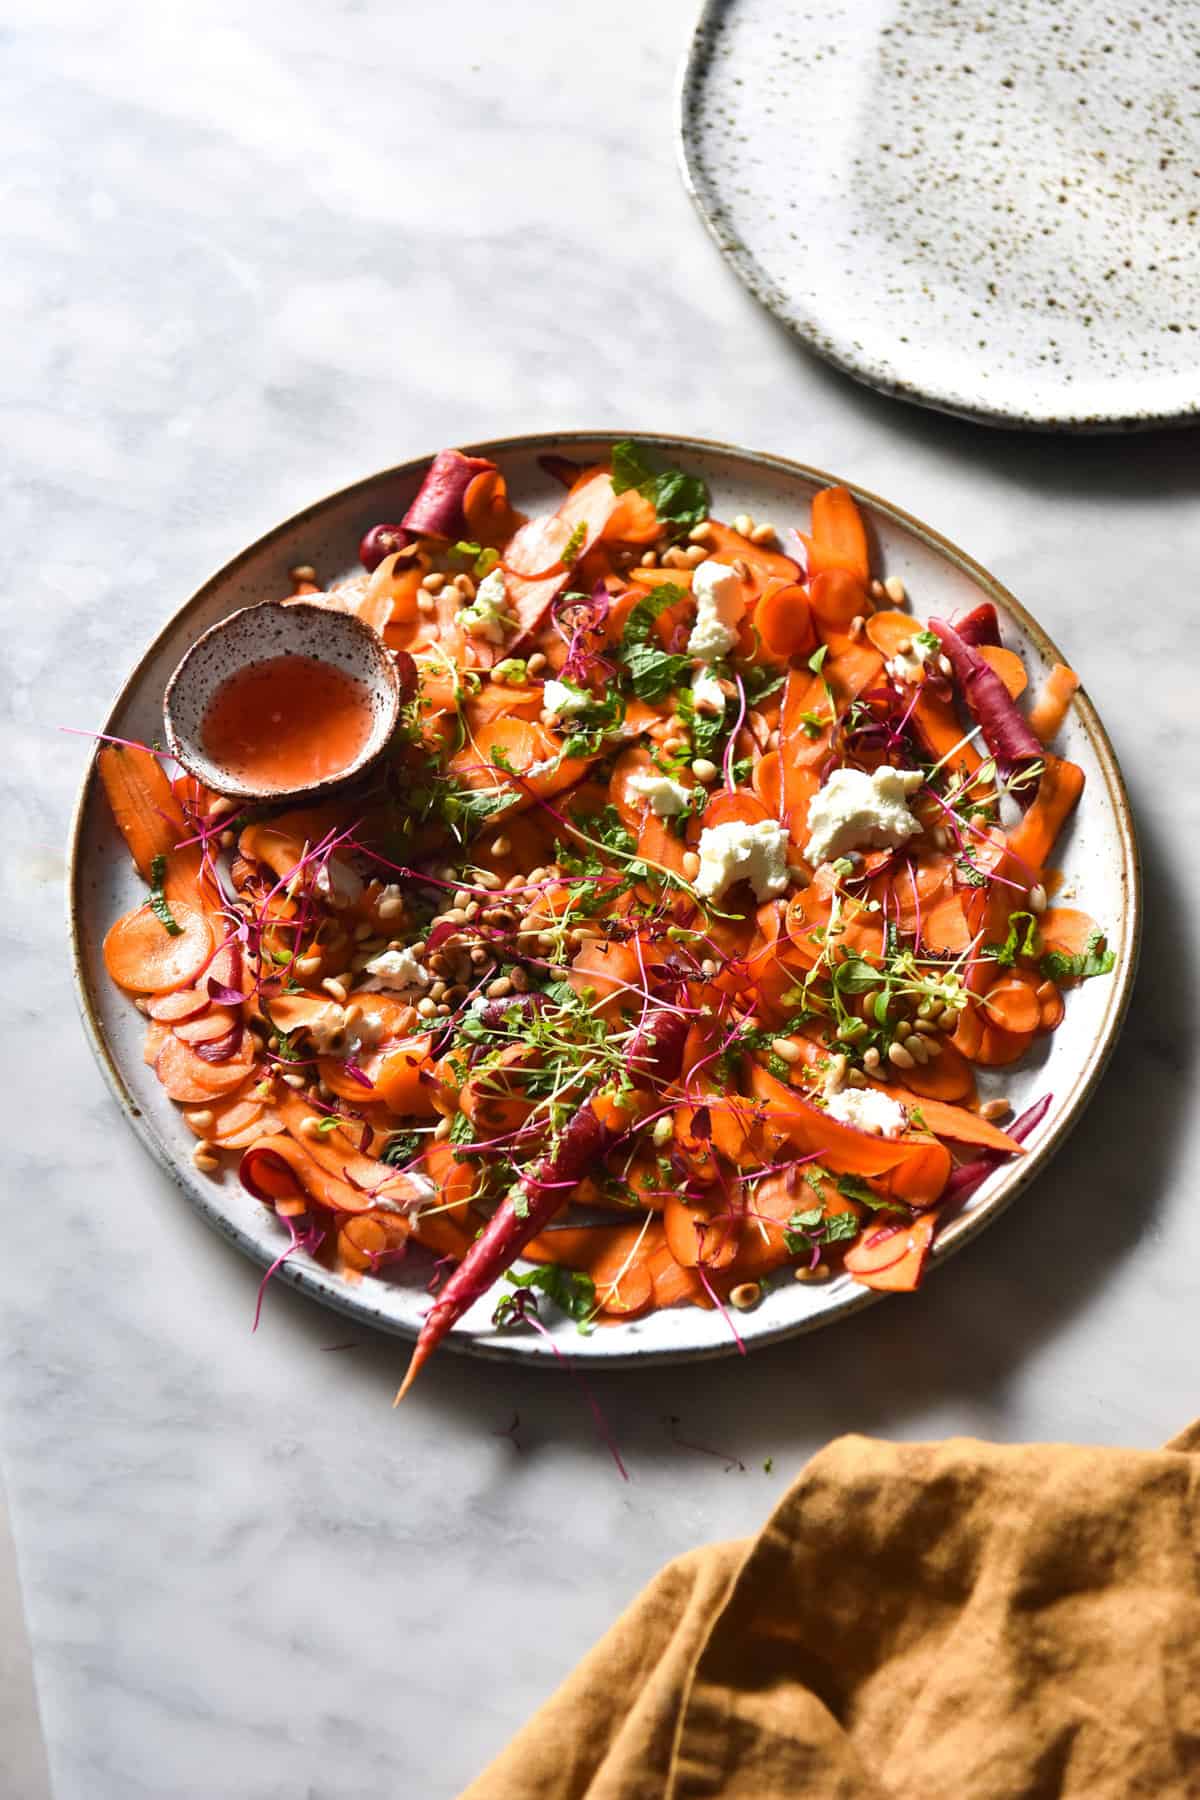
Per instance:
{"type": "Point", "coordinates": [659, 957]}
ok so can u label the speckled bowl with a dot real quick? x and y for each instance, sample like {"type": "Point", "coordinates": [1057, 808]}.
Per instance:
{"type": "Point", "coordinates": [255, 635]}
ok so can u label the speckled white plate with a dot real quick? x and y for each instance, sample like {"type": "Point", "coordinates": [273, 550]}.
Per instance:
{"type": "Point", "coordinates": [1098, 852]}
{"type": "Point", "coordinates": [989, 209]}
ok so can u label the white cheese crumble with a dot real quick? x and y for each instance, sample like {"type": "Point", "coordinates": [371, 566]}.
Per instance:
{"type": "Point", "coordinates": [868, 1110]}
{"type": "Point", "coordinates": [737, 851]}
{"type": "Point", "coordinates": [720, 604]}
{"type": "Point", "coordinates": [668, 798]}
{"type": "Point", "coordinates": [369, 1028]}
{"type": "Point", "coordinates": [396, 970]}
{"type": "Point", "coordinates": [328, 1030]}
{"type": "Point", "coordinates": [909, 665]}
{"type": "Point", "coordinates": [856, 811]}
{"type": "Point", "coordinates": [707, 693]}
{"type": "Point", "coordinates": [486, 616]}
{"type": "Point", "coordinates": [340, 884]}
{"type": "Point", "coordinates": [563, 699]}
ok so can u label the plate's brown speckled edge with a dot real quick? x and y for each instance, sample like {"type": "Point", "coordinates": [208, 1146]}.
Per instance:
{"type": "Point", "coordinates": [357, 1302]}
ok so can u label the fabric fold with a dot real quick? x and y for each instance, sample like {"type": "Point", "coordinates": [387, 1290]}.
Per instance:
{"type": "Point", "coordinates": [956, 1621]}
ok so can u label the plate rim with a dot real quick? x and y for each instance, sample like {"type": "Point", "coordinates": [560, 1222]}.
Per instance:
{"type": "Point", "coordinates": [317, 1283]}
{"type": "Point", "coordinates": [764, 288]}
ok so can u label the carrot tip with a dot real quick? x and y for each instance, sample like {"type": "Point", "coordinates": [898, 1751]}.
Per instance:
{"type": "Point", "coordinates": [414, 1369]}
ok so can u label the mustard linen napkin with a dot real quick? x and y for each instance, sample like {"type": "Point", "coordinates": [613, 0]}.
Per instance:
{"type": "Point", "coordinates": [957, 1621]}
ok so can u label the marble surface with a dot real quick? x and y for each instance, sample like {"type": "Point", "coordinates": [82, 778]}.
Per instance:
{"type": "Point", "coordinates": [252, 254]}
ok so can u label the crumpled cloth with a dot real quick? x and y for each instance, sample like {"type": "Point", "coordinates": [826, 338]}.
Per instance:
{"type": "Point", "coordinates": [955, 1621]}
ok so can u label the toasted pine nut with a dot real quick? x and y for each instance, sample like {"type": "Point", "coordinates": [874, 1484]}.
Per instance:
{"type": "Point", "coordinates": [434, 582]}
{"type": "Point", "coordinates": [695, 556]}
{"type": "Point", "coordinates": [895, 590]}
{"type": "Point", "coordinates": [335, 989]}
{"type": "Point", "coordinates": [426, 604]}
{"type": "Point", "coordinates": [500, 989]}
{"type": "Point", "coordinates": [876, 590]}
{"type": "Point", "coordinates": [857, 625]}
{"type": "Point", "coordinates": [704, 770]}
{"type": "Point", "coordinates": [819, 1273]}
{"type": "Point", "coordinates": [536, 663]}
{"type": "Point", "coordinates": [691, 865]}
{"type": "Point", "coordinates": [787, 1048]}
{"type": "Point", "coordinates": [294, 1081]}
{"type": "Point", "coordinates": [898, 1055]}
{"type": "Point", "coordinates": [763, 534]}
{"type": "Point", "coordinates": [390, 907]}
{"type": "Point", "coordinates": [664, 1130]}
{"type": "Point", "coordinates": [201, 1159]}
{"type": "Point", "coordinates": [650, 559]}
{"type": "Point", "coordinates": [501, 846]}
{"type": "Point", "coordinates": [201, 1116]}
{"type": "Point", "coordinates": [917, 1047]}
{"type": "Point", "coordinates": [465, 586]}
{"type": "Point", "coordinates": [701, 533]}
{"type": "Point", "coordinates": [995, 1109]}
{"type": "Point", "coordinates": [1038, 899]}
{"type": "Point", "coordinates": [745, 1295]}
{"type": "Point", "coordinates": [743, 524]}
{"type": "Point", "coordinates": [871, 1059]}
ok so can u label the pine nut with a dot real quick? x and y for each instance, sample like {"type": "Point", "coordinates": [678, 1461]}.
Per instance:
{"type": "Point", "coordinates": [691, 865]}
{"type": "Point", "coordinates": [995, 1109]}
{"type": "Point", "coordinates": [500, 989]}
{"type": "Point", "coordinates": [903, 1029]}
{"type": "Point", "coordinates": [857, 625]}
{"type": "Point", "coordinates": [434, 582]}
{"type": "Point", "coordinates": [390, 907]}
{"type": "Point", "coordinates": [536, 663]}
{"type": "Point", "coordinates": [674, 558]}
{"type": "Point", "coordinates": [917, 1047]}
{"type": "Point", "coordinates": [945, 667]}
{"type": "Point", "coordinates": [335, 989]}
{"type": "Point", "coordinates": [443, 1131]}
{"type": "Point", "coordinates": [501, 846]}
{"type": "Point", "coordinates": [303, 572]}
{"type": "Point", "coordinates": [819, 1273]}
{"type": "Point", "coordinates": [903, 646]}
{"type": "Point", "coordinates": [520, 981]}
{"type": "Point", "coordinates": [438, 991]}
{"type": "Point", "coordinates": [741, 568]}
{"type": "Point", "coordinates": [745, 1295]}
{"type": "Point", "coordinates": [836, 1072]}
{"type": "Point", "coordinates": [201, 1116]}
{"type": "Point", "coordinates": [695, 556]}
{"type": "Point", "coordinates": [856, 1079]}
{"type": "Point", "coordinates": [926, 1027]}
{"type": "Point", "coordinates": [876, 590]}
{"type": "Point", "coordinates": [487, 878]}
{"type": "Point", "coordinates": [701, 533]}
{"type": "Point", "coordinates": [704, 770]}
{"type": "Point", "coordinates": [465, 586]}
{"type": "Point", "coordinates": [294, 1081]}
{"type": "Point", "coordinates": [898, 1055]}
{"type": "Point", "coordinates": [202, 1160]}
{"type": "Point", "coordinates": [228, 839]}
{"type": "Point", "coordinates": [650, 559]}
{"type": "Point", "coordinates": [664, 1130]}
{"type": "Point", "coordinates": [933, 1048]}
{"type": "Point", "coordinates": [763, 534]}
{"type": "Point", "coordinates": [871, 1059]}
{"type": "Point", "coordinates": [743, 524]}
{"type": "Point", "coordinates": [788, 1049]}
{"type": "Point", "coordinates": [673, 745]}
{"type": "Point", "coordinates": [895, 590]}
{"type": "Point", "coordinates": [426, 604]}
{"type": "Point", "coordinates": [426, 1007]}
{"type": "Point", "coordinates": [222, 807]}
{"type": "Point", "coordinates": [310, 1127]}
{"type": "Point", "coordinates": [1038, 899]}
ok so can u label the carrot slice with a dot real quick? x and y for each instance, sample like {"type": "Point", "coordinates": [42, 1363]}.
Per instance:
{"type": "Point", "coordinates": [1057, 796]}
{"type": "Point", "coordinates": [1066, 929]}
{"type": "Point", "coordinates": [961, 1126]}
{"type": "Point", "coordinates": [143, 802]}
{"type": "Point", "coordinates": [784, 620]}
{"type": "Point", "coordinates": [695, 1237]}
{"type": "Point", "coordinates": [837, 597]}
{"type": "Point", "coordinates": [872, 1264]}
{"type": "Point", "coordinates": [1012, 1004]}
{"type": "Point", "coordinates": [1008, 666]}
{"type": "Point", "coordinates": [617, 1257]}
{"type": "Point", "coordinates": [490, 520]}
{"type": "Point", "coordinates": [1049, 711]}
{"type": "Point", "coordinates": [839, 537]}
{"type": "Point", "coordinates": [188, 1078]}
{"type": "Point", "coordinates": [143, 957]}
{"type": "Point", "coordinates": [892, 632]}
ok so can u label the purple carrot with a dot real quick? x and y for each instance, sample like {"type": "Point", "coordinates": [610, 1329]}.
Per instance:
{"type": "Point", "coordinates": [655, 1053]}
{"type": "Point", "coordinates": [1007, 734]}
{"type": "Point", "coordinates": [437, 510]}
{"type": "Point", "coordinates": [980, 626]}
{"type": "Point", "coordinates": [971, 1175]}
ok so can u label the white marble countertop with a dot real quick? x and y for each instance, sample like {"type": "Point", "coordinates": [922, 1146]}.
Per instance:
{"type": "Point", "coordinates": [253, 253]}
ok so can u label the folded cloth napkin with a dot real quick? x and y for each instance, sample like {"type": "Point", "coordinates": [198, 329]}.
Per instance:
{"type": "Point", "coordinates": [957, 1621]}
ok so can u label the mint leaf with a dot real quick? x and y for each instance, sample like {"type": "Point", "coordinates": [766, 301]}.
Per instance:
{"type": "Point", "coordinates": [1093, 959]}
{"type": "Point", "coordinates": [678, 499]}
{"type": "Point", "coordinates": [158, 900]}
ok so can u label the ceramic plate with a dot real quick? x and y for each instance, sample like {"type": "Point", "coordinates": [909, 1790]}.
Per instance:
{"type": "Point", "coordinates": [987, 209]}
{"type": "Point", "coordinates": [1098, 854]}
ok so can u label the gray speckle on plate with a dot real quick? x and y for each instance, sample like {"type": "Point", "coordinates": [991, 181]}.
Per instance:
{"type": "Point", "coordinates": [992, 210]}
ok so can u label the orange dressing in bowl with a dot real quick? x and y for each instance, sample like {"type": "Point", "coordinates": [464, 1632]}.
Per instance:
{"type": "Point", "coordinates": [287, 723]}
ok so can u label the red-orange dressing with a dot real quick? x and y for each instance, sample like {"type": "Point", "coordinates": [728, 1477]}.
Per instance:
{"type": "Point", "coordinates": [287, 722]}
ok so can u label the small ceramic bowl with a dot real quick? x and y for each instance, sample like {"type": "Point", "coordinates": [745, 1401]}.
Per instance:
{"type": "Point", "coordinates": [258, 634]}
